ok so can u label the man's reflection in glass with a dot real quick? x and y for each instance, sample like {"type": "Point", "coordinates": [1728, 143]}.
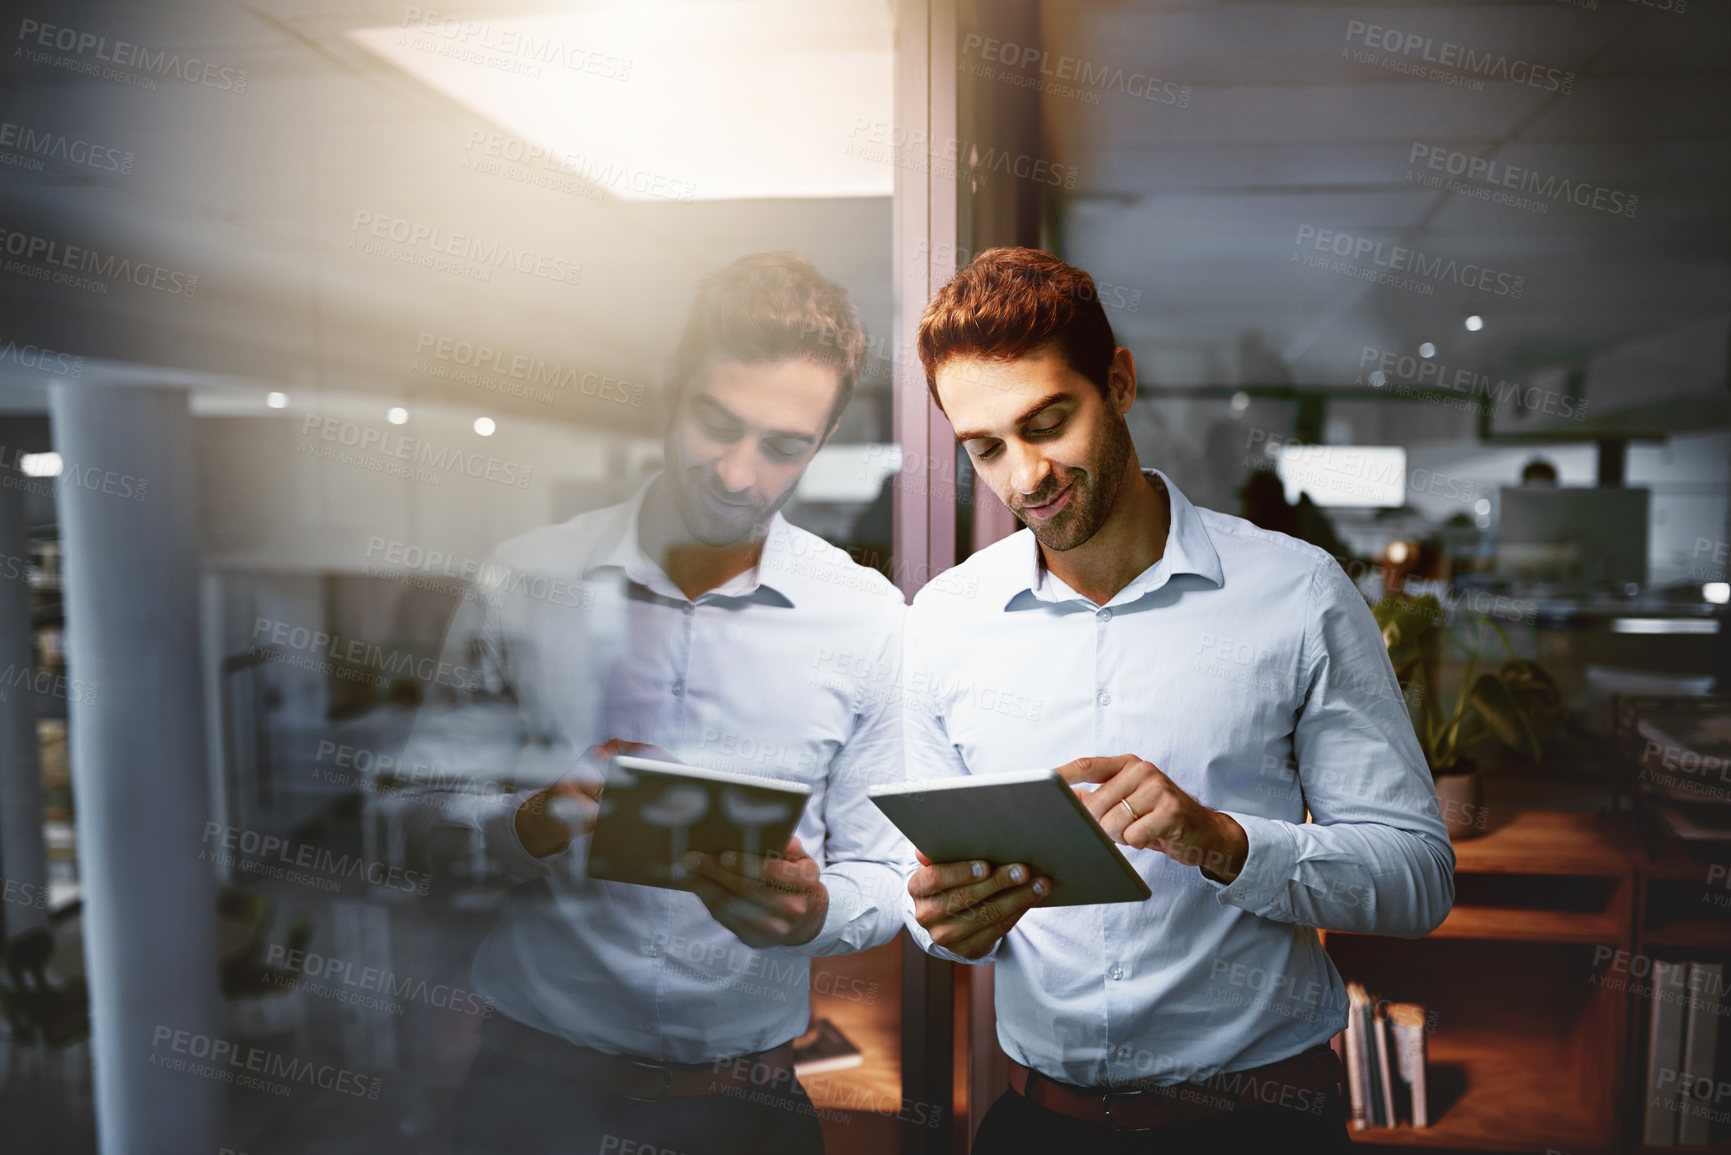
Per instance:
{"type": "Point", "coordinates": [689, 623]}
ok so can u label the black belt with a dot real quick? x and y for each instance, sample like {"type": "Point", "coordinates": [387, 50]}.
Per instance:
{"type": "Point", "coordinates": [631, 1076]}
{"type": "Point", "coordinates": [1296, 1082]}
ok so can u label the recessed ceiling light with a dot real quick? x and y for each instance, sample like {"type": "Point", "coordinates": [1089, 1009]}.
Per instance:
{"type": "Point", "coordinates": [1427, 350]}
{"type": "Point", "coordinates": [1378, 379]}
{"type": "Point", "coordinates": [40, 464]}
{"type": "Point", "coordinates": [1240, 401]}
{"type": "Point", "coordinates": [398, 415]}
{"type": "Point", "coordinates": [1716, 592]}
{"type": "Point", "coordinates": [1475, 323]}
{"type": "Point", "coordinates": [277, 400]}
{"type": "Point", "coordinates": [484, 426]}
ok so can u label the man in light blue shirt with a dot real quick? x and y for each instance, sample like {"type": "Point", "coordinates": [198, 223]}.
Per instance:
{"type": "Point", "coordinates": [692, 622]}
{"type": "Point", "coordinates": [1208, 682]}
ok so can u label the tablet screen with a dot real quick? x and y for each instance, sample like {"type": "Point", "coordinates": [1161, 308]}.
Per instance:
{"type": "Point", "coordinates": [652, 813]}
{"type": "Point", "coordinates": [1032, 817]}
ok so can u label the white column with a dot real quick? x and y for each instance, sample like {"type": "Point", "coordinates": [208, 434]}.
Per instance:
{"type": "Point", "coordinates": [128, 515]}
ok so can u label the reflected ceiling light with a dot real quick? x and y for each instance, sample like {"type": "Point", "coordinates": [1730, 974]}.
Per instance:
{"type": "Point", "coordinates": [1482, 505]}
{"type": "Point", "coordinates": [484, 426]}
{"type": "Point", "coordinates": [1427, 350]}
{"type": "Point", "coordinates": [397, 415]}
{"type": "Point", "coordinates": [1716, 592]}
{"type": "Point", "coordinates": [1475, 323]}
{"type": "Point", "coordinates": [1378, 379]}
{"type": "Point", "coordinates": [674, 100]}
{"type": "Point", "coordinates": [40, 464]}
{"type": "Point", "coordinates": [277, 400]}
{"type": "Point", "coordinates": [1397, 552]}
{"type": "Point", "coordinates": [1240, 401]}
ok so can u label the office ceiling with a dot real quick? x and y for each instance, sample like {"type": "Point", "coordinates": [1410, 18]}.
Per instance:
{"type": "Point", "coordinates": [291, 200]}
{"type": "Point", "coordinates": [1195, 207]}
{"type": "Point", "coordinates": [1287, 138]}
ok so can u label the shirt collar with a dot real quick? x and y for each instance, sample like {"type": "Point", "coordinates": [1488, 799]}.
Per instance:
{"type": "Point", "coordinates": [1189, 550]}
{"type": "Point", "coordinates": [621, 547]}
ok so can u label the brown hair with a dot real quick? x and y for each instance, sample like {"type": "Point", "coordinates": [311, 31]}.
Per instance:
{"type": "Point", "coordinates": [1009, 302]}
{"type": "Point", "coordinates": [767, 307]}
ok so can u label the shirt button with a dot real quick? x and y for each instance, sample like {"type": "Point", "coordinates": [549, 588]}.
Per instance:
{"type": "Point", "coordinates": [678, 689]}
{"type": "Point", "coordinates": [1117, 972]}
{"type": "Point", "coordinates": [1104, 615]}
{"type": "Point", "coordinates": [1121, 1053]}
{"type": "Point", "coordinates": [1104, 698]}
{"type": "Point", "coordinates": [690, 609]}
{"type": "Point", "coordinates": [654, 951]}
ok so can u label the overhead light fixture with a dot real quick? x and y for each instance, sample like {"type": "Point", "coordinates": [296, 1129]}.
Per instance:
{"type": "Point", "coordinates": [397, 415]}
{"type": "Point", "coordinates": [653, 100]}
{"type": "Point", "coordinates": [1427, 350]}
{"type": "Point", "coordinates": [1240, 401]}
{"type": "Point", "coordinates": [484, 426]}
{"type": "Point", "coordinates": [1482, 505]}
{"type": "Point", "coordinates": [277, 400]}
{"type": "Point", "coordinates": [1716, 592]}
{"type": "Point", "coordinates": [40, 464]}
{"type": "Point", "coordinates": [1475, 323]}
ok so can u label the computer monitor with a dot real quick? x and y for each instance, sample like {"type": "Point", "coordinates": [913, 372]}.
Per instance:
{"type": "Point", "coordinates": [1595, 536]}
{"type": "Point", "coordinates": [1351, 476]}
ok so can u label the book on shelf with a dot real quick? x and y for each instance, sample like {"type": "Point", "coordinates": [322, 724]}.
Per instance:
{"type": "Point", "coordinates": [1386, 1059]}
{"type": "Point", "coordinates": [1697, 1086]}
{"type": "Point", "coordinates": [1406, 1022]}
{"type": "Point", "coordinates": [824, 1048]}
{"type": "Point", "coordinates": [1380, 1021]}
{"type": "Point", "coordinates": [1664, 1052]}
{"type": "Point", "coordinates": [1355, 1004]}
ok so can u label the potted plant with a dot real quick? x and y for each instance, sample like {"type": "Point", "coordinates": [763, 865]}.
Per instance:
{"type": "Point", "coordinates": [1509, 713]}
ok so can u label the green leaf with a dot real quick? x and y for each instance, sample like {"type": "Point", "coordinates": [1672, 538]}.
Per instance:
{"type": "Point", "coordinates": [1503, 716]}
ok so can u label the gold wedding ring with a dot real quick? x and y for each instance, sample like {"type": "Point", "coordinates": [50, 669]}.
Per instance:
{"type": "Point", "coordinates": [1125, 803]}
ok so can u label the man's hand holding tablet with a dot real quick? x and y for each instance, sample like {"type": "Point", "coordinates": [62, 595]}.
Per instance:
{"type": "Point", "coordinates": [1139, 806]}
{"type": "Point", "coordinates": [764, 899]}
{"type": "Point", "coordinates": [968, 906]}
{"type": "Point", "coordinates": [770, 899]}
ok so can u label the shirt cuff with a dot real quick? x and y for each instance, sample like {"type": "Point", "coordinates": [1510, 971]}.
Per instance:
{"type": "Point", "coordinates": [499, 835]}
{"type": "Point", "coordinates": [1261, 885]}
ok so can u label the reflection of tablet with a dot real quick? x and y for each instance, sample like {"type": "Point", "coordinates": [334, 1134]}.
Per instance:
{"type": "Point", "coordinates": [652, 813]}
{"type": "Point", "coordinates": [1031, 817]}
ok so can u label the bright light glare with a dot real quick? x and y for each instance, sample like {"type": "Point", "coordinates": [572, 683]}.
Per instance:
{"type": "Point", "coordinates": [1240, 402]}
{"type": "Point", "coordinates": [1475, 323]}
{"type": "Point", "coordinates": [484, 426]}
{"type": "Point", "coordinates": [1482, 505]}
{"type": "Point", "coordinates": [40, 464]}
{"type": "Point", "coordinates": [1716, 592]}
{"type": "Point", "coordinates": [277, 400]}
{"type": "Point", "coordinates": [676, 100]}
{"type": "Point", "coordinates": [398, 415]}
{"type": "Point", "coordinates": [1427, 350]}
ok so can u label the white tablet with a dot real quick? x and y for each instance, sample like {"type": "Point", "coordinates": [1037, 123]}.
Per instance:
{"type": "Point", "coordinates": [1031, 817]}
{"type": "Point", "coordinates": [652, 813]}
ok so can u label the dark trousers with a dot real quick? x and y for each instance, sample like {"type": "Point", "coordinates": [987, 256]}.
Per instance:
{"type": "Point", "coordinates": [1015, 1126]}
{"type": "Point", "coordinates": [508, 1104]}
